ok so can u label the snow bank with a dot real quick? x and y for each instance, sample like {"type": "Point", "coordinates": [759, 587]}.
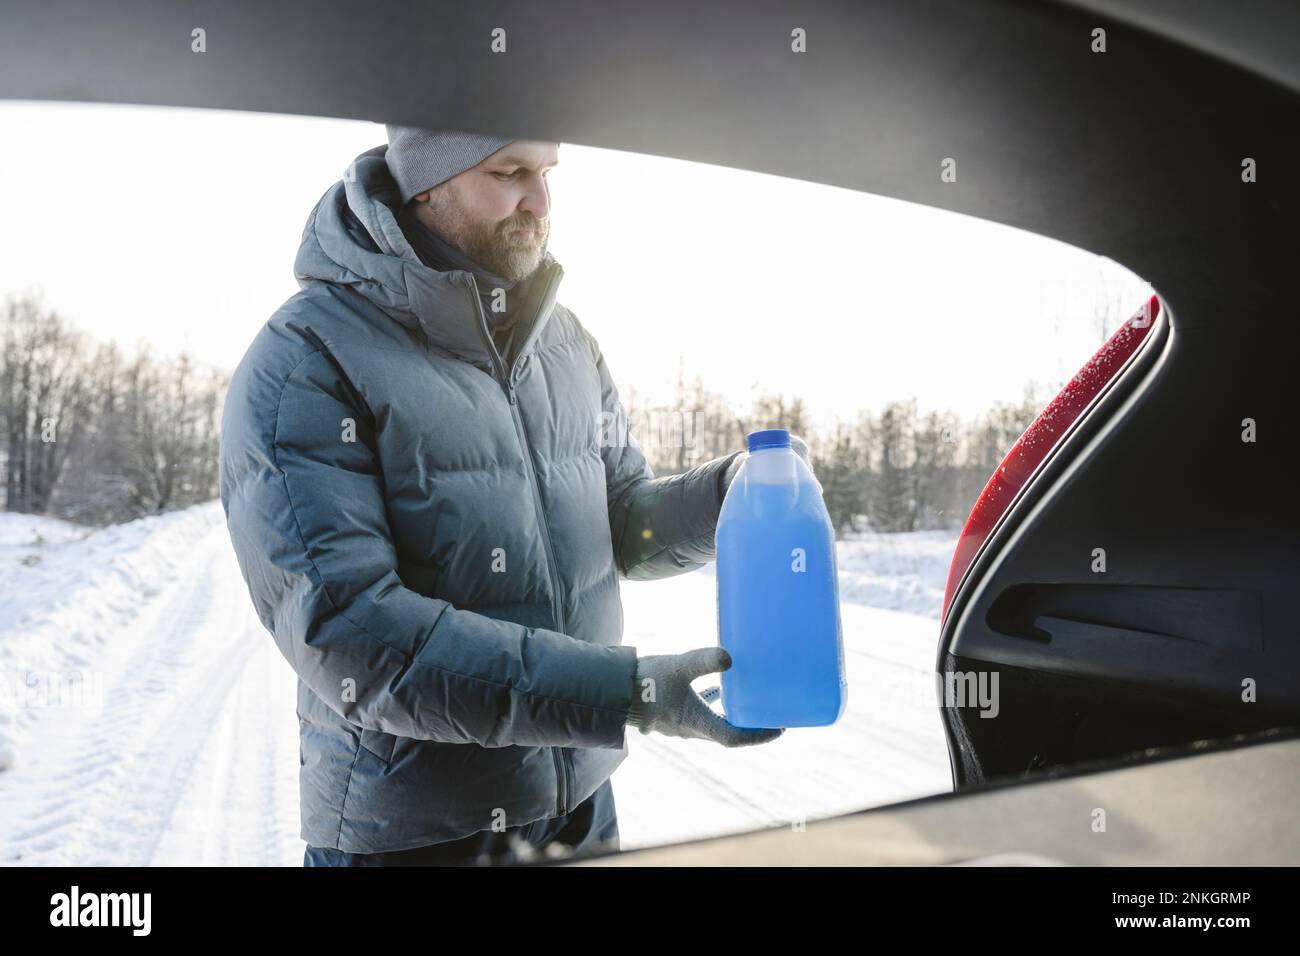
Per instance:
{"type": "Point", "coordinates": [64, 589]}
{"type": "Point", "coordinates": [33, 532]}
{"type": "Point", "coordinates": [907, 571]}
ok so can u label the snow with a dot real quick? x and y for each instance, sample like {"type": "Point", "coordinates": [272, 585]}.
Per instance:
{"type": "Point", "coordinates": [899, 572]}
{"type": "Point", "coordinates": [147, 718]}
{"type": "Point", "coordinates": [30, 533]}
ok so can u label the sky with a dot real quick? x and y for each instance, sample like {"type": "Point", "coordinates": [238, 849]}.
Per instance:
{"type": "Point", "coordinates": [178, 228]}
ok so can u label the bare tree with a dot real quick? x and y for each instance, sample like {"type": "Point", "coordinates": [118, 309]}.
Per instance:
{"type": "Point", "coordinates": [96, 437]}
{"type": "Point", "coordinates": [44, 399]}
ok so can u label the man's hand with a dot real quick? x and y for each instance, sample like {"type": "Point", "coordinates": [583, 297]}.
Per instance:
{"type": "Point", "coordinates": [800, 448]}
{"type": "Point", "coordinates": [663, 700]}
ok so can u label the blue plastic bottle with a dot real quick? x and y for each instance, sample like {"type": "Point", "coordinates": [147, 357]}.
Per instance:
{"type": "Point", "coordinates": [778, 593]}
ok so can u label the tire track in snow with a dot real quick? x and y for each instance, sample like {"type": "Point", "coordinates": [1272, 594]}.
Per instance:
{"type": "Point", "coordinates": [130, 764]}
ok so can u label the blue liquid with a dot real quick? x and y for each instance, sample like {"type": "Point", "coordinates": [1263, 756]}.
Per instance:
{"type": "Point", "coordinates": [781, 625]}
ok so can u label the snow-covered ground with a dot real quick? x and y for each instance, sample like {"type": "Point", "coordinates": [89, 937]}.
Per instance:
{"type": "Point", "coordinates": [146, 718]}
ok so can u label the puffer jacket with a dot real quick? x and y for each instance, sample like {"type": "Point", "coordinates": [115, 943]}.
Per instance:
{"type": "Point", "coordinates": [435, 540]}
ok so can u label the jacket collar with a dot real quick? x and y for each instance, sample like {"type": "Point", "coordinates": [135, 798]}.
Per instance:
{"type": "Point", "coordinates": [352, 238]}
{"type": "Point", "coordinates": [450, 312]}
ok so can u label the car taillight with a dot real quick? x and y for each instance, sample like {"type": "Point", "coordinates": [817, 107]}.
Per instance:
{"type": "Point", "coordinates": [1037, 440]}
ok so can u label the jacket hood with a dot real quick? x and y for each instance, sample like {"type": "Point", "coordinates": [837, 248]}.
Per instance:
{"type": "Point", "coordinates": [352, 238]}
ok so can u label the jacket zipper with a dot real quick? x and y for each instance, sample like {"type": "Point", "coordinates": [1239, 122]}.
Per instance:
{"type": "Point", "coordinates": [562, 780]}
{"type": "Point", "coordinates": [561, 774]}
{"type": "Point", "coordinates": [557, 603]}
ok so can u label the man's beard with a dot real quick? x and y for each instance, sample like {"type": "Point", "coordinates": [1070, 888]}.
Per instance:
{"type": "Point", "coordinates": [495, 247]}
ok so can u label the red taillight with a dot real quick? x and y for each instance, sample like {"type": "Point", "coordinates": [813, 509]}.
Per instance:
{"type": "Point", "coordinates": [1037, 440]}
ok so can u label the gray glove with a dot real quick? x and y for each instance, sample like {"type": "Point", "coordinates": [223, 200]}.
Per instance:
{"type": "Point", "coordinates": [663, 701]}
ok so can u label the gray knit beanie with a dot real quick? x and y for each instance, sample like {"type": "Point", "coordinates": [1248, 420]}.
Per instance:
{"type": "Point", "coordinates": [420, 159]}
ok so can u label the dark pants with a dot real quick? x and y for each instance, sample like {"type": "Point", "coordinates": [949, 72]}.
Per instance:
{"type": "Point", "coordinates": [591, 827]}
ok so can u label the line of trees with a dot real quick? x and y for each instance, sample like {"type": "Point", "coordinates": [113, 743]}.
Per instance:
{"type": "Point", "coordinates": [889, 470]}
{"type": "Point", "coordinates": [95, 435]}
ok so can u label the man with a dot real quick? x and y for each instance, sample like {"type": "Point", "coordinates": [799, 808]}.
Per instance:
{"type": "Point", "coordinates": [432, 493]}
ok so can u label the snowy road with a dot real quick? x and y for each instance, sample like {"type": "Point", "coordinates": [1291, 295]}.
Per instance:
{"type": "Point", "coordinates": [182, 745]}
{"type": "Point", "coordinates": [184, 750]}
